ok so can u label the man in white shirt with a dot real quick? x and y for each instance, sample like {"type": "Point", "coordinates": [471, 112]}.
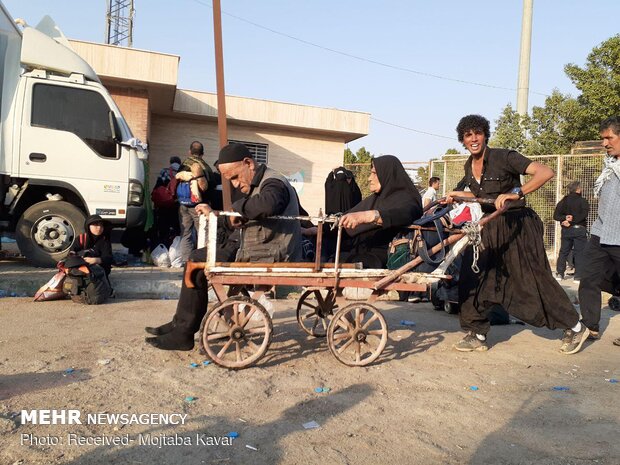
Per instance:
{"type": "Point", "coordinates": [431, 193]}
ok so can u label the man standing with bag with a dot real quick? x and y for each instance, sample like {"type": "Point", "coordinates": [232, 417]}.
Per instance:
{"type": "Point", "coordinates": [194, 177]}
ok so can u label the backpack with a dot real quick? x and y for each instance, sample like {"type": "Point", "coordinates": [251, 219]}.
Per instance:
{"type": "Point", "coordinates": [87, 285]}
{"type": "Point", "coordinates": [165, 196]}
{"type": "Point", "coordinates": [183, 188]}
{"type": "Point", "coordinates": [407, 246]}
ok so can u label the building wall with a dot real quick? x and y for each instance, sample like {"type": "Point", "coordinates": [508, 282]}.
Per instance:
{"type": "Point", "coordinates": [304, 157]}
{"type": "Point", "coordinates": [135, 107]}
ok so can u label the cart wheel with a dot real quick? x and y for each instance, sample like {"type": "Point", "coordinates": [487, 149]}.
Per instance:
{"type": "Point", "coordinates": [236, 333]}
{"type": "Point", "coordinates": [313, 309]}
{"type": "Point", "coordinates": [357, 334]}
{"type": "Point", "coordinates": [450, 307]}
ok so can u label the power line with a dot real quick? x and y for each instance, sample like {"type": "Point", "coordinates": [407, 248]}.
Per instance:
{"type": "Point", "coordinates": [411, 129]}
{"type": "Point", "coordinates": [367, 60]}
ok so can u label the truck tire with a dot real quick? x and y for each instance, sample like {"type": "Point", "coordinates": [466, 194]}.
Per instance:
{"type": "Point", "coordinates": [46, 231]}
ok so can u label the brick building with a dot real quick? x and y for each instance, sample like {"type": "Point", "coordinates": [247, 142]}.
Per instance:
{"type": "Point", "coordinates": [302, 142]}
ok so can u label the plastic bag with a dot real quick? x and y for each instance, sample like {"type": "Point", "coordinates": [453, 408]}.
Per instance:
{"type": "Point", "coordinates": [176, 259]}
{"type": "Point", "coordinates": [53, 289]}
{"type": "Point", "coordinates": [160, 257]}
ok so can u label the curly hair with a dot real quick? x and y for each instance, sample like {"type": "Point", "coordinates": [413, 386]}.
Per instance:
{"type": "Point", "coordinates": [473, 122]}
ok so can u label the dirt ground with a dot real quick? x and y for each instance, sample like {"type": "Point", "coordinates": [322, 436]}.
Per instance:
{"type": "Point", "coordinates": [420, 403]}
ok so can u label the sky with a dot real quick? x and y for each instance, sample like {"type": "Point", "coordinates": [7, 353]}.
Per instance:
{"type": "Point", "coordinates": [403, 62]}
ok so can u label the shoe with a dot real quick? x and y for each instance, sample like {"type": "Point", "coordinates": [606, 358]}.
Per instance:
{"type": "Point", "coordinates": [617, 342]}
{"type": "Point", "coordinates": [160, 330]}
{"type": "Point", "coordinates": [558, 276]}
{"type": "Point", "coordinates": [471, 343]}
{"type": "Point", "coordinates": [172, 341]}
{"type": "Point", "coordinates": [572, 341]}
{"type": "Point", "coordinates": [594, 335]}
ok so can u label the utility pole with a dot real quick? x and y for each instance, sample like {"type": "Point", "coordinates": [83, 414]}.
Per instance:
{"type": "Point", "coordinates": [221, 94]}
{"type": "Point", "coordinates": [523, 85]}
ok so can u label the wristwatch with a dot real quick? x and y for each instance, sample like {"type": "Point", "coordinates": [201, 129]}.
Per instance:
{"type": "Point", "coordinates": [518, 191]}
{"type": "Point", "coordinates": [377, 217]}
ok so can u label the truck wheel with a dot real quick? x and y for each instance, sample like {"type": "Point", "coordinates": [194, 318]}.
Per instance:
{"type": "Point", "coordinates": [46, 231]}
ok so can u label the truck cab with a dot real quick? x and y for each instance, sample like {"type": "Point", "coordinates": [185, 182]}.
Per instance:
{"type": "Point", "coordinates": [66, 151]}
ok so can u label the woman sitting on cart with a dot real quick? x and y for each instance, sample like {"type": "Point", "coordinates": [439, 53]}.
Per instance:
{"type": "Point", "coordinates": [394, 203]}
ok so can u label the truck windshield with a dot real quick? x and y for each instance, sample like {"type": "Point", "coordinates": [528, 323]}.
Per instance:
{"type": "Point", "coordinates": [81, 112]}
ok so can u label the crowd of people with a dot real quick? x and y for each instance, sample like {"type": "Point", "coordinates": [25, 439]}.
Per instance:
{"type": "Point", "coordinates": [512, 269]}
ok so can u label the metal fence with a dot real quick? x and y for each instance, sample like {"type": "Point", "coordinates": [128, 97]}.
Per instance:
{"type": "Point", "coordinates": [568, 168]}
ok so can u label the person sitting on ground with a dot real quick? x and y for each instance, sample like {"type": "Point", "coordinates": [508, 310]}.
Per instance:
{"type": "Point", "coordinates": [95, 245]}
{"type": "Point", "coordinates": [394, 202]}
{"type": "Point", "coordinates": [267, 193]}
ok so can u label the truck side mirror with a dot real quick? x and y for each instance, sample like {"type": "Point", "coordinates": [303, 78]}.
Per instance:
{"type": "Point", "coordinates": [114, 127]}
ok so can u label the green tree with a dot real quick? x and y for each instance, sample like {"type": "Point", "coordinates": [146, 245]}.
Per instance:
{"type": "Point", "coordinates": [452, 152]}
{"type": "Point", "coordinates": [563, 120]}
{"type": "Point", "coordinates": [359, 164]}
{"type": "Point", "coordinates": [349, 157]}
{"type": "Point", "coordinates": [422, 177]}
{"type": "Point", "coordinates": [599, 84]}
{"type": "Point", "coordinates": [551, 127]}
{"type": "Point", "coordinates": [509, 130]}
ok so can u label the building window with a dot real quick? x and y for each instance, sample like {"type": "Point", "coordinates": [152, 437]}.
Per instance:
{"type": "Point", "coordinates": [83, 112]}
{"type": "Point", "coordinates": [258, 150]}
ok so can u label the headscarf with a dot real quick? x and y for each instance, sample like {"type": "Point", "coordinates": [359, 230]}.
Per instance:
{"type": "Point", "coordinates": [397, 190]}
{"type": "Point", "coordinates": [341, 191]}
{"type": "Point", "coordinates": [90, 237]}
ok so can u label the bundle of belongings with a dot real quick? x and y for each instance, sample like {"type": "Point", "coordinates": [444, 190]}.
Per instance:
{"type": "Point", "coordinates": [84, 283]}
{"type": "Point", "coordinates": [419, 242]}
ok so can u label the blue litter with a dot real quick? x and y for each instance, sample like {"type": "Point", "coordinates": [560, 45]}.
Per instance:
{"type": "Point", "coordinates": [322, 389]}
{"type": "Point", "coordinates": [233, 434]}
{"type": "Point", "coordinates": [407, 323]}
{"type": "Point", "coordinates": [473, 388]}
{"type": "Point", "coordinates": [613, 380]}
{"type": "Point", "coordinates": [206, 362]}
{"type": "Point", "coordinates": [194, 365]}
{"type": "Point", "coordinates": [319, 389]}
{"type": "Point", "coordinates": [326, 389]}
{"type": "Point", "coordinates": [3, 293]}
{"type": "Point", "coordinates": [190, 399]}
{"type": "Point", "coordinates": [561, 388]}
{"type": "Point", "coordinates": [69, 370]}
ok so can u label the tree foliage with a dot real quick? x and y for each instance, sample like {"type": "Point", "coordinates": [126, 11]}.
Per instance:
{"type": "Point", "coordinates": [563, 120]}
{"type": "Point", "coordinates": [359, 164]}
{"type": "Point", "coordinates": [599, 84]}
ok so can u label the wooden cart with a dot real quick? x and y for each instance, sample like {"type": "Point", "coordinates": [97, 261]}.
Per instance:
{"type": "Point", "coordinates": [237, 330]}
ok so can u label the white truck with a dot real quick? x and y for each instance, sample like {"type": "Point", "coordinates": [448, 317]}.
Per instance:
{"type": "Point", "coordinates": [65, 149]}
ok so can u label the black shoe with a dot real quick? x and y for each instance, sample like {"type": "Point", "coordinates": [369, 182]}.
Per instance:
{"type": "Point", "coordinates": [160, 330]}
{"type": "Point", "coordinates": [172, 341]}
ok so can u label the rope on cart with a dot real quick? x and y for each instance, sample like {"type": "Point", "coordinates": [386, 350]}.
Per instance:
{"type": "Point", "coordinates": [472, 230]}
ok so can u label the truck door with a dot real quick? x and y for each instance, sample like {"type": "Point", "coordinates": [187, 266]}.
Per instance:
{"type": "Point", "coordinates": [66, 139]}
